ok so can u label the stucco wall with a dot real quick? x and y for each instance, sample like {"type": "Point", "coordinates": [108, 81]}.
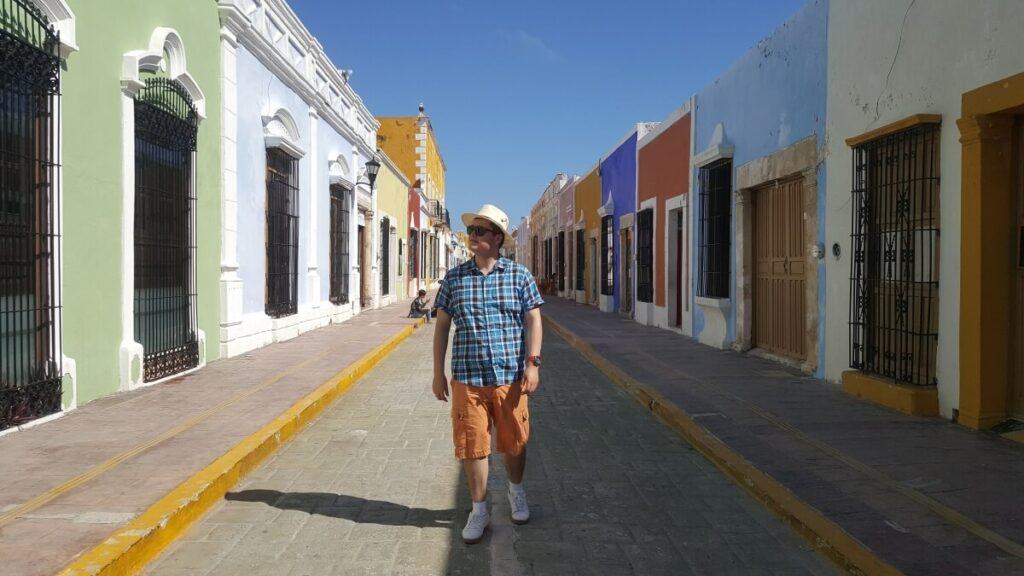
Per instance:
{"type": "Point", "coordinates": [435, 167]}
{"type": "Point", "coordinates": [397, 138]}
{"type": "Point", "coordinates": [587, 200]}
{"type": "Point", "coordinates": [876, 79]}
{"type": "Point", "coordinates": [618, 181]}
{"type": "Point", "coordinates": [393, 201]}
{"type": "Point", "coordinates": [265, 92]}
{"type": "Point", "coordinates": [91, 121]}
{"type": "Point", "coordinates": [663, 173]}
{"type": "Point", "coordinates": [771, 98]}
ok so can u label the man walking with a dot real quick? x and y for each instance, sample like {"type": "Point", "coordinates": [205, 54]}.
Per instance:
{"type": "Point", "coordinates": [495, 306]}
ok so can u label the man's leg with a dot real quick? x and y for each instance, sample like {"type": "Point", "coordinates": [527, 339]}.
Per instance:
{"type": "Point", "coordinates": [515, 466]}
{"type": "Point", "coordinates": [476, 476]}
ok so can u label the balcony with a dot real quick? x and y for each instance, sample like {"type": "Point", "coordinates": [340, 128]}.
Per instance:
{"type": "Point", "coordinates": [439, 215]}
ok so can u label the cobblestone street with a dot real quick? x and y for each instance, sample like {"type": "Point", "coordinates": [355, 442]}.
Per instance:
{"type": "Point", "coordinates": [372, 488]}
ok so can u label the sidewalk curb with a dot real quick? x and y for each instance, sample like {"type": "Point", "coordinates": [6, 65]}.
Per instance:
{"type": "Point", "coordinates": [129, 549]}
{"type": "Point", "coordinates": [827, 536]}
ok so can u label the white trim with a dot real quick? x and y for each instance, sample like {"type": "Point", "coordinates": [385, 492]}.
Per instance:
{"type": "Point", "coordinates": [273, 33]}
{"type": "Point", "coordinates": [643, 312]}
{"type": "Point", "coordinates": [718, 149]}
{"type": "Point", "coordinates": [281, 131]}
{"type": "Point", "coordinates": [60, 16]}
{"type": "Point", "coordinates": [680, 202]}
{"type": "Point", "coordinates": [162, 40]}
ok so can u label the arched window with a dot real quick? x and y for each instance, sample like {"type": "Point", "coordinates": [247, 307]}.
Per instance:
{"type": "Point", "coordinates": [166, 126]}
{"type": "Point", "coordinates": [30, 371]}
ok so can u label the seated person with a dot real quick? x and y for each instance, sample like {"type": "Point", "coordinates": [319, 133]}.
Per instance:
{"type": "Point", "coordinates": [418, 308]}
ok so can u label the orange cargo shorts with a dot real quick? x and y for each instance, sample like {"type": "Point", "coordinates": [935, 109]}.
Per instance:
{"type": "Point", "coordinates": [477, 409]}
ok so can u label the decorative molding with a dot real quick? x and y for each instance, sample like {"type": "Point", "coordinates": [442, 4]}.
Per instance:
{"type": "Point", "coordinates": [718, 149]}
{"type": "Point", "coordinates": [162, 41]}
{"type": "Point", "coordinates": [281, 131]}
{"type": "Point", "coordinates": [273, 33]}
{"type": "Point", "coordinates": [898, 126]}
{"type": "Point", "coordinates": [60, 16]}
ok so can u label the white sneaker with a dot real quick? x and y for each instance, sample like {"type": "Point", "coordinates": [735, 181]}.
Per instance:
{"type": "Point", "coordinates": [520, 510]}
{"type": "Point", "coordinates": [475, 526]}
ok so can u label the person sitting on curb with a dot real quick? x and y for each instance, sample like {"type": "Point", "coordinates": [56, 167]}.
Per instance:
{"type": "Point", "coordinates": [495, 306]}
{"type": "Point", "coordinates": [418, 308]}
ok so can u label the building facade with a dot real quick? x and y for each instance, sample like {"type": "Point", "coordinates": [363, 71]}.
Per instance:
{"type": "Point", "coordinates": [392, 189]}
{"type": "Point", "coordinates": [663, 188]}
{"type": "Point", "coordinates": [758, 219]}
{"type": "Point", "coordinates": [294, 182]}
{"type": "Point", "coordinates": [922, 336]}
{"type": "Point", "coordinates": [586, 201]}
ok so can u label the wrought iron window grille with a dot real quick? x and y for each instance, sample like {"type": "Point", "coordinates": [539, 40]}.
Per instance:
{"type": "Point", "coordinates": [282, 234]}
{"type": "Point", "coordinates": [645, 255]}
{"type": "Point", "coordinates": [561, 261]}
{"type": "Point", "coordinates": [166, 324]}
{"type": "Point", "coordinates": [894, 270]}
{"type": "Point", "coordinates": [580, 260]}
{"type": "Point", "coordinates": [30, 339]}
{"type": "Point", "coordinates": [341, 213]}
{"type": "Point", "coordinates": [714, 242]}
{"type": "Point", "coordinates": [385, 256]}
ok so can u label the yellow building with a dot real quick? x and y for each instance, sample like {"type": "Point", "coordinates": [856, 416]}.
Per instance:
{"type": "Point", "coordinates": [412, 146]}
{"type": "Point", "coordinates": [587, 200]}
{"type": "Point", "coordinates": [393, 217]}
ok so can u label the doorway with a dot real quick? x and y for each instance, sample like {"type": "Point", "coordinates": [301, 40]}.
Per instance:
{"type": "Point", "coordinates": [1015, 392]}
{"type": "Point", "coordinates": [626, 262]}
{"type": "Point", "coordinates": [779, 269]}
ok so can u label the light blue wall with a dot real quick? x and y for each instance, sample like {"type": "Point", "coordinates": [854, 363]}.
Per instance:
{"type": "Point", "coordinates": [260, 92]}
{"type": "Point", "coordinates": [618, 178]}
{"type": "Point", "coordinates": [771, 98]}
{"type": "Point", "coordinates": [330, 146]}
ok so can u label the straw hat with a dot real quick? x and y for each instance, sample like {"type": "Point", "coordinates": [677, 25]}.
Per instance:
{"type": "Point", "coordinates": [494, 215]}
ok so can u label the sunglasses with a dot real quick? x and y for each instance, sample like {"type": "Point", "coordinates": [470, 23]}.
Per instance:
{"type": "Point", "coordinates": [474, 230]}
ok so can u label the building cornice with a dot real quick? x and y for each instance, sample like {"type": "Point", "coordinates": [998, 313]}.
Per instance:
{"type": "Point", "coordinates": [278, 39]}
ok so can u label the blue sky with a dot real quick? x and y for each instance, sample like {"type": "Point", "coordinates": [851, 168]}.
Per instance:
{"type": "Point", "coordinates": [518, 91]}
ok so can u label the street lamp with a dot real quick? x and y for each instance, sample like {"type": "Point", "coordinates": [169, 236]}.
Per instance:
{"type": "Point", "coordinates": [372, 168]}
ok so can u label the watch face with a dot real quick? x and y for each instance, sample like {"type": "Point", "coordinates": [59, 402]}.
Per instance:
{"type": "Point", "coordinates": [536, 360]}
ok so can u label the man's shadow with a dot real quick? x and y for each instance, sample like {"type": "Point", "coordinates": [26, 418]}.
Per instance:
{"type": "Point", "coordinates": [351, 508]}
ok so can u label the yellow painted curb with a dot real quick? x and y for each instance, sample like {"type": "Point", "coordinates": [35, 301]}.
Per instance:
{"type": "Point", "coordinates": [827, 536]}
{"type": "Point", "coordinates": [130, 548]}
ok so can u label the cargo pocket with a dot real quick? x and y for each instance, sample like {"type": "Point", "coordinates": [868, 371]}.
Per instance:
{"type": "Point", "coordinates": [459, 425]}
{"type": "Point", "coordinates": [522, 421]}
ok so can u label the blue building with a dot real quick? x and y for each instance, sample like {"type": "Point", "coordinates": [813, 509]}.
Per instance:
{"type": "Point", "coordinates": [759, 179]}
{"type": "Point", "coordinates": [618, 205]}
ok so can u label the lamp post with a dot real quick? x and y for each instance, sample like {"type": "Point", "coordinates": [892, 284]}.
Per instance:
{"type": "Point", "coordinates": [372, 169]}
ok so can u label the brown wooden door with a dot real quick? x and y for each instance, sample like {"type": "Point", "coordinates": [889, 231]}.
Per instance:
{"type": "Point", "coordinates": [779, 283]}
{"type": "Point", "coordinates": [626, 262]}
{"type": "Point", "coordinates": [1016, 391]}
{"type": "Point", "coordinates": [679, 268]}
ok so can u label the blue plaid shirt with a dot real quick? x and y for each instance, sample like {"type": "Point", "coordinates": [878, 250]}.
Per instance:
{"type": "Point", "coordinates": [488, 313]}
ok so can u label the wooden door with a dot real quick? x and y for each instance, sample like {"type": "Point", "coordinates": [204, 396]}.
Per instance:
{"type": "Point", "coordinates": [679, 269]}
{"type": "Point", "coordinates": [779, 283]}
{"type": "Point", "coordinates": [1016, 391]}
{"type": "Point", "coordinates": [626, 261]}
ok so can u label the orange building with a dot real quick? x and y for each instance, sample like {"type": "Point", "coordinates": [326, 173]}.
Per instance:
{"type": "Point", "coordinates": [663, 186]}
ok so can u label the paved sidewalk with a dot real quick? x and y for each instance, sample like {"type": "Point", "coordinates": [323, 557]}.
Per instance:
{"type": "Point", "coordinates": [926, 495]}
{"type": "Point", "coordinates": [372, 487]}
{"type": "Point", "coordinates": [124, 452]}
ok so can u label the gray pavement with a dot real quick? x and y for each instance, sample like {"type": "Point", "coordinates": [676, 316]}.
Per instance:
{"type": "Point", "coordinates": [372, 487]}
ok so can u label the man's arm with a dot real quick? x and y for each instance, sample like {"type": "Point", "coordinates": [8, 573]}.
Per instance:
{"type": "Point", "coordinates": [534, 339]}
{"type": "Point", "coordinates": [441, 330]}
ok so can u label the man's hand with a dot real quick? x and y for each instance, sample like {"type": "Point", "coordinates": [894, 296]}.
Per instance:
{"type": "Point", "coordinates": [531, 379]}
{"type": "Point", "coordinates": [441, 387]}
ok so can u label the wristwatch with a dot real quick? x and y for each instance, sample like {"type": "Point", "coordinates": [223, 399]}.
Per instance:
{"type": "Point", "coordinates": [535, 360]}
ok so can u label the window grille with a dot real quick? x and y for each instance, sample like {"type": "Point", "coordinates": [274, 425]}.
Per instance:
{"type": "Point", "coordinates": [561, 261]}
{"type": "Point", "coordinates": [340, 221]}
{"type": "Point", "coordinates": [166, 126]}
{"type": "Point", "coordinates": [715, 222]}
{"type": "Point", "coordinates": [580, 260]}
{"type": "Point", "coordinates": [282, 233]}
{"type": "Point", "coordinates": [894, 270]}
{"type": "Point", "coordinates": [607, 257]}
{"type": "Point", "coordinates": [30, 357]}
{"type": "Point", "coordinates": [645, 256]}
{"type": "Point", "coordinates": [385, 256]}
{"type": "Point", "coordinates": [414, 269]}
